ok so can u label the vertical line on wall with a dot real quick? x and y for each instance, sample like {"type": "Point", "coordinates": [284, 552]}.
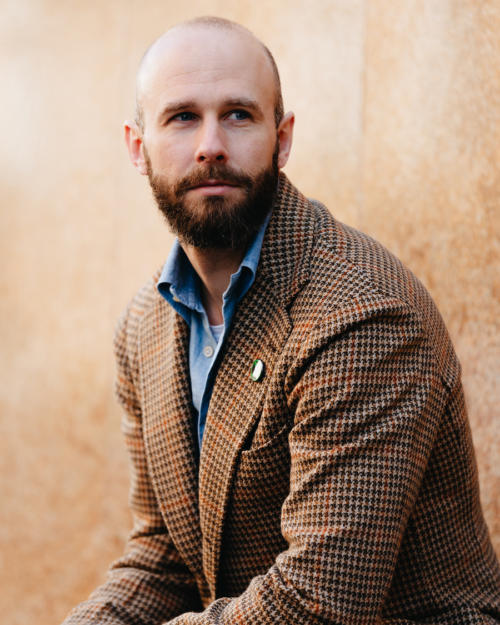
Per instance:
{"type": "Point", "coordinates": [360, 191]}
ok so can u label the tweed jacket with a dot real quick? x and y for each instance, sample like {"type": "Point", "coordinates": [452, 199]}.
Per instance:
{"type": "Point", "coordinates": [341, 487]}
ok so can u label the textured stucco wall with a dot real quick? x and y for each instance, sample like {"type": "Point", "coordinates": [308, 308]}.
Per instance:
{"type": "Point", "coordinates": [397, 132]}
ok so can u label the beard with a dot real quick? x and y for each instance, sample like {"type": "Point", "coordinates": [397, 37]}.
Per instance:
{"type": "Point", "coordinates": [216, 222]}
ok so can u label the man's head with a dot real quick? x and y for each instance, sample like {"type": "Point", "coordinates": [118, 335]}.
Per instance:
{"type": "Point", "coordinates": [210, 131]}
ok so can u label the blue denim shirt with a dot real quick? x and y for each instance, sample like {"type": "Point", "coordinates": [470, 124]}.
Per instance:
{"type": "Point", "coordinates": [179, 284]}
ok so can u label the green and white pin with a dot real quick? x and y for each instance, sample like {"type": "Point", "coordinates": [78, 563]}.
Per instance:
{"type": "Point", "coordinates": [257, 372]}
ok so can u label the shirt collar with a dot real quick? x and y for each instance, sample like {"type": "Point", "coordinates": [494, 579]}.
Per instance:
{"type": "Point", "coordinates": [179, 283]}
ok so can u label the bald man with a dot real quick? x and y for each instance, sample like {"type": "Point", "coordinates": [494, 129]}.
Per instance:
{"type": "Point", "coordinates": [293, 411]}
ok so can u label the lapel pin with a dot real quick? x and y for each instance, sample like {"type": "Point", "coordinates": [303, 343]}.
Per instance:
{"type": "Point", "coordinates": [257, 370]}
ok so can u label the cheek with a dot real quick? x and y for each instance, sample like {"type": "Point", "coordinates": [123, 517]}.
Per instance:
{"type": "Point", "coordinates": [168, 153]}
{"type": "Point", "coordinates": [254, 155]}
{"type": "Point", "coordinates": [170, 160]}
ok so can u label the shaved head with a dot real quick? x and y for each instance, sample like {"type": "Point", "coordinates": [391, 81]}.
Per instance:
{"type": "Point", "coordinates": [210, 132]}
{"type": "Point", "coordinates": [161, 46]}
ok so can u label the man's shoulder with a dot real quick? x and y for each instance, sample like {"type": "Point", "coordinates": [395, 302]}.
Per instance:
{"type": "Point", "coordinates": [353, 279]}
{"type": "Point", "coordinates": [306, 243]}
{"type": "Point", "coordinates": [358, 267]}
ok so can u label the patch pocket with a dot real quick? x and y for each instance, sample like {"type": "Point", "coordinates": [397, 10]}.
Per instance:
{"type": "Point", "coordinates": [266, 464]}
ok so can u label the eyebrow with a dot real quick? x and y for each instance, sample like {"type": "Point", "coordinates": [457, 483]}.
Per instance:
{"type": "Point", "coordinates": [174, 107]}
{"type": "Point", "coordinates": [246, 103]}
{"type": "Point", "coordinates": [171, 108]}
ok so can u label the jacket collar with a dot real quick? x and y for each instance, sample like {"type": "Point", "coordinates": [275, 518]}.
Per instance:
{"type": "Point", "coordinates": [285, 255]}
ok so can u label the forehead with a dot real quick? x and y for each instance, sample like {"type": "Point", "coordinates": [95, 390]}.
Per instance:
{"type": "Point", "coordinates": [206, 65]}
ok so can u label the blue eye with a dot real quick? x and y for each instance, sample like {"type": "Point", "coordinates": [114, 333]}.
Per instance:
{"type": "Point", "coordinates": [239, 115]}
{"type": "Point", "coordinates": [183, 117]}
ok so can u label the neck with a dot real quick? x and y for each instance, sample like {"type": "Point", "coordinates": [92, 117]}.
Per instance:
{"type": "Point", "coordinates": [214, 268]}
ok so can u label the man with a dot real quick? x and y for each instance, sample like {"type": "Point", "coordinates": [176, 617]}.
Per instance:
{"type": "Point", "coordinates": [299, 446]}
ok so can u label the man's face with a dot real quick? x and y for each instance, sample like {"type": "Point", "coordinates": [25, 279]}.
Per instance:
{"type": "Point", "coordinates": [210, 145]}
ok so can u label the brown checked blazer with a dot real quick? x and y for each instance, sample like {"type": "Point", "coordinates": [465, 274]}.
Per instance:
{"type": "Point", "coordinates": [339, 488]}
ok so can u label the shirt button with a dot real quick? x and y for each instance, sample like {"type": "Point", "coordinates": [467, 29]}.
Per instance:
{"type": "Point", "coordinates": [208, 351]}
{"type": "Point", "coordinates": [176, 299]}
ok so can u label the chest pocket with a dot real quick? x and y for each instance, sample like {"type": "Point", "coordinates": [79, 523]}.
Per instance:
{"type": "Point", "coordinates": [263, 470]}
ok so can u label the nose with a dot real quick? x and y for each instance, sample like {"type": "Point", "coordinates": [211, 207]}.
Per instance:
{"type": "Point", "coordinates": [211, 143]}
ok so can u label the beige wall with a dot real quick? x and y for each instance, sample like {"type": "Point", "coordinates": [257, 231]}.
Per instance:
{"type": "Point", "coordinates": [398, 108]}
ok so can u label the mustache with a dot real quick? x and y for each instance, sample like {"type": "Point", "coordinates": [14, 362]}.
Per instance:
{"type": "Point", "coordinates": [217, 172]}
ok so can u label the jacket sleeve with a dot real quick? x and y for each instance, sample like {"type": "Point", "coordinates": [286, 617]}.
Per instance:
{"type": "Point", "coordinates": [368, 405]}
{"type": "Point", "coordinates": [149, 583]}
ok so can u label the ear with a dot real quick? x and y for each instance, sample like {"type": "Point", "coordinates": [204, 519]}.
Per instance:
{"type": "Point", "coordinates": [285, 136]}
{"type": "Point", "coordinates": [134, 141]}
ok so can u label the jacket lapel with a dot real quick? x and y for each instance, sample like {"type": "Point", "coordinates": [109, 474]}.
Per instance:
{"type": "Point", "coordinates": [168, 427]}
{"type": "Point", "coordinates": [234, 409]}
{"type": "Point", "coordinates": [260, 329]}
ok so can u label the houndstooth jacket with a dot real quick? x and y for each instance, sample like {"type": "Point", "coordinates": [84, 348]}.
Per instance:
{"type": "Point", "coordinates": [339, 488]}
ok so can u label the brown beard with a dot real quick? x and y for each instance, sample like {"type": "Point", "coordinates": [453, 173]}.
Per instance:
{"type": "Point", "coordinates": [216, 222]}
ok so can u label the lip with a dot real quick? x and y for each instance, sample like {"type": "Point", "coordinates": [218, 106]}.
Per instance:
{"type": "Point", "coordinates": [213, 187]}
{"type": "Point", "coordinates": [213, 183]}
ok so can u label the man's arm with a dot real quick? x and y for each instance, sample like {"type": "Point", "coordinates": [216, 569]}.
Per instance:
{"type": "Point", "coordinates": [369, 405]}
{"type": "Point", "coordinates": [149, 583]}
